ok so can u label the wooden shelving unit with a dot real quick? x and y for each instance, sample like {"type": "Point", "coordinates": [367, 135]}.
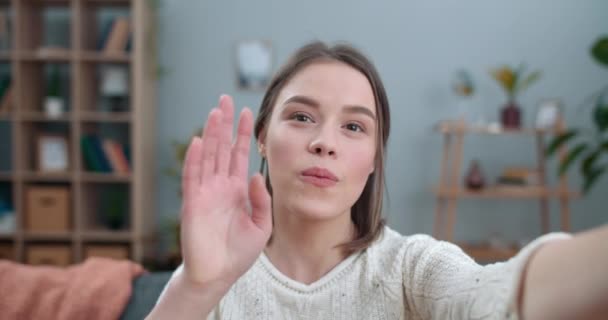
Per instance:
{"type": "Point", "coordinates": [79, 61]}
{"type": "Point", "coordinates": [451, 189]}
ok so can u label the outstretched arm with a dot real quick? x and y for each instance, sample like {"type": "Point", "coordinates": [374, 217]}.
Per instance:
{"type": "Point", "coordinates": [568, 279]}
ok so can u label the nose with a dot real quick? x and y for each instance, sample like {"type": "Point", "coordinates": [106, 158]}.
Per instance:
{"type": "Point", "coordinates": [324, 143]}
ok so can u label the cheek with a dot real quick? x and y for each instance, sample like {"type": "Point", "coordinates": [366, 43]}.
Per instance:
{"type": "Point", "coordinates": [361, 162]}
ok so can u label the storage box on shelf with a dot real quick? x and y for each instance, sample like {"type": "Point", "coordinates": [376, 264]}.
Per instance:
{"type": "Point", "coordinates": [78, 69]}
{"type": "Point", "coordinates": [450, 188]}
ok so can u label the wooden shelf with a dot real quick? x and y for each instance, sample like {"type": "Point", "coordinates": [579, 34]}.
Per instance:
{"type": "Point", "coordinates": [60, 56]}
{"type": "Point", "coordinates": [95, 56]}
{"type": "Point", "coordinates": [107, 236]}
{"type": "Point", "coordinates": [42, 117]}
{"type": "Point", "coordinates": [487, 253]}
{"type": "Point", "coordinates": [48, 236]}
{"type": "Point", "coordinates": [449, 190]}
{"type": "Point", "coordinates": [34, 176]}
{"type": "Point", "coordinates": [6, 176]}
{"type": "Point", "coordinates": [505, 192]}
{"type": "Point", "coordinates": [30, 64]}
{"type": "Point", "coordinates": [60, 3]}
{"type": "Point", "coordinates": [461, 128]}
{"type": "Point", "coordinates": [5, 56]}
{"type": "Point", "coordinates": [105, 177]}
{"type": "Point", "coordinates": [108, 2]}
{"type": "Point", "coordinates": [7, 236]}
{"type": "Point", "coordinates": [106, 116]}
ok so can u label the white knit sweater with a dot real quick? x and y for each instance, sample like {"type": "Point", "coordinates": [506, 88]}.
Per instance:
{"type": "Point", "coordinates": [398, 277]}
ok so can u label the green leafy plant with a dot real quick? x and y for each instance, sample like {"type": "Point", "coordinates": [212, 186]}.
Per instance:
{"type": "Point", "coordinates": [513, 80]}
{"type": "Point", "coordinates": [54, 84]}
{"type": "Point", "coordinates": [588, 147]}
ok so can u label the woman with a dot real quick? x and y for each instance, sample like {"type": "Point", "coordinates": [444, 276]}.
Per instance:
{"type": "Point", "coordinates": [309, 242]}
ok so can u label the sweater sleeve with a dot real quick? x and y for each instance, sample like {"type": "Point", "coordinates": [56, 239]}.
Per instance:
{"type": "Point", "coordinates": [442, 282]}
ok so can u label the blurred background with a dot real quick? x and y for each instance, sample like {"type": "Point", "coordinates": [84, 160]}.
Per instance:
{"type": "Point", "coordinates": [480, 88]}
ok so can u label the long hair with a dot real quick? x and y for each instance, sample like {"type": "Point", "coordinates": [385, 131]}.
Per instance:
{"type": "Point", "coordinates": [366, 212]}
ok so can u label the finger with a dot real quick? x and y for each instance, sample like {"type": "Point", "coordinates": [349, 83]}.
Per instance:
{"type": "Point", "coordinates": [191, 173]}
{"type": "Point", "coordinates": [239, 158]}
{"type": "Point", "coordinates": [210, 141]}
{"type": "Point", "coordinates": [225, 135]}
{"type": "Point", "coordinates": [261, 213]}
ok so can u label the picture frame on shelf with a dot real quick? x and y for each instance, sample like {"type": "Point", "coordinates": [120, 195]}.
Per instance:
{"type": "Point", "coordinates": [548, 113]}
{"type": "Point", "coordinates": [254, 60]}
{"type": "Point", "coordinates": [53, 153]}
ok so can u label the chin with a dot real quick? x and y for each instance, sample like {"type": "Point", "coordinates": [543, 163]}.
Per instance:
{"type": "Point", "coordinates": [315, 209]}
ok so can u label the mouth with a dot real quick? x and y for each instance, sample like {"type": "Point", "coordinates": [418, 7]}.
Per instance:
{"type": "Point", "coordinates": [319, 177]}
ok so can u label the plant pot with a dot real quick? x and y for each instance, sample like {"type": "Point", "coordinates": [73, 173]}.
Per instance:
{"type": "Point", "coordinates": [510, 116]}
{"type": "Point", "coordinates": [53, 106]}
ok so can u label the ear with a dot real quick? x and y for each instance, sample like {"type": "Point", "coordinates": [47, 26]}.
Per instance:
{"type": "Point", "coordinates": [262, 149]}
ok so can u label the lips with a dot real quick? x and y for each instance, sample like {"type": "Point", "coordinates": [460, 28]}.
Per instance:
{"type": "Point", "coordinates": [319, 177]}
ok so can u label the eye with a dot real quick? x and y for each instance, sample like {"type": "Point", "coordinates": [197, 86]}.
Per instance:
{"type": "Point", "coordinates": [301, 117]}
{"type": "Point", "coordinates": [354, 127]}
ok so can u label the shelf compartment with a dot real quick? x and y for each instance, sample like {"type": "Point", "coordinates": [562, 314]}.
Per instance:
{"type": "Point", "coordinates": [51, 141]}
{"type": "Point", "coordinates": [7, 17]}
{"type": "Point", "coordinates": [8, 223]}
{"type": "Point", "coordinates": [6, 148]}
{"type": "Point", "coordinates": [505, 192]}
{"type": "Point", "coordinates": [41, 79]}
{"type": "Point", "coordinates": [105, 88]}
{"type": "Point", "coordinates": [106, 208]}
{"type": "Point", "coordinates": [98, 23]}
{"type": "Point", "coordinates": [45, 24]}
{"type": "Point", "coordinates": [48, 210]}
{"type": "Point", "coordinates": [43, 252]}
{"type": "Point", "coordinates": [105, 148]}
{"type": "Point", "coordinates": [7, 250]}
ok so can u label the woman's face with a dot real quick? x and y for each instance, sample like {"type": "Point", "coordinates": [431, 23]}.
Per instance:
{"type": "Point", "coordinates": [320, 141]}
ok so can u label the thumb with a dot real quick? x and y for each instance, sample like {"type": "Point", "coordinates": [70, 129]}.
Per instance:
{"type": "Point", "coordinates": [261, 213]}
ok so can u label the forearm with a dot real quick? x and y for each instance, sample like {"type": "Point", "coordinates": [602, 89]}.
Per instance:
{"type": "Point", "coordinates": [568, 279]}
{"type": "Point", "coordinates": [185, 301]}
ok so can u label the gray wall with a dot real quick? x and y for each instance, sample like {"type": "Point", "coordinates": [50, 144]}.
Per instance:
{"type": "Point", "coordinates": [417, 46]}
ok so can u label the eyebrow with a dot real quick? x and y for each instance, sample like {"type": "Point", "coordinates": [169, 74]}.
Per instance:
{"type": "Point", "coordinates": [314, 103]}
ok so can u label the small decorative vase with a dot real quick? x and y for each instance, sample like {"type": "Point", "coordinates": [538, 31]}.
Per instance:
{"type": "Point", "coordinates": [54, 106]}
{"type": "Point", "coordinates": [510, 115]}
{"type": "Point", "coordinates": [474, 179]}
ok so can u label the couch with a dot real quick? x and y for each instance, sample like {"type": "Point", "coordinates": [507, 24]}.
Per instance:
{"type": "Point", "coordinates": [146, 289]}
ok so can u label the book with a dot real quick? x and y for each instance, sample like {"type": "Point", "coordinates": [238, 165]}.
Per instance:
{"type": "Point", "coordinates": [105, 32]}
{"type": "Point", "coordinates": [114, 153]}
{"type": "Point", "coordinates": [6, 100]}
{"type": "Point", "coordinates": [118, 37]}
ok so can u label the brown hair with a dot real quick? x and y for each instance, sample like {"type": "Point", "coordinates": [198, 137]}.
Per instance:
{"type": "Point", "coordinates": [366, 213]}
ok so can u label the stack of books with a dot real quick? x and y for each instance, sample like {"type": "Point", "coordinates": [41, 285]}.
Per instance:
{"type": "Point", "coordinates": [116, 36]}
{"type": "Point", "coordinates": [105, 155]}
{"type": "Point", "coordinates": [515, 176]}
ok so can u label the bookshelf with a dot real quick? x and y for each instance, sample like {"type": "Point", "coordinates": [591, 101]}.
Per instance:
{"type": "Point", "coordinates": [451, 189]}
{"type": "Point", "coordinates": [68, 40]}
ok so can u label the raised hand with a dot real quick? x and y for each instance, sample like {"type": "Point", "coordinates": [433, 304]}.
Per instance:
{"type": "Point", "coordinates": [226, 220]}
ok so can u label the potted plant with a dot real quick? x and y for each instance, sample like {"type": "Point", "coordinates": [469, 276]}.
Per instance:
{"type": "Point", "coordinates": [53, 102]}
{"type": "Point", "coordinates": [588, 147]}
{"type": "Point", "coordinates": [513, 82]}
